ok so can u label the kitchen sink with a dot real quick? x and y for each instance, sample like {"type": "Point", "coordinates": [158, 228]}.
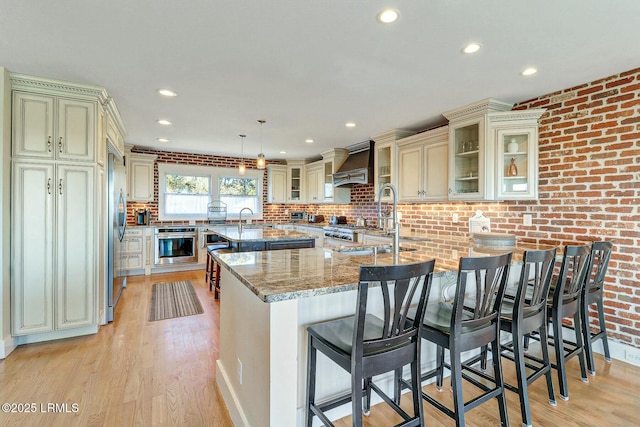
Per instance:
{"type": "Point", "coordinates": [368, 249]}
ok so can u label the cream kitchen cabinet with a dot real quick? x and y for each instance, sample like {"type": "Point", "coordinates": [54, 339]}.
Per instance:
{"type": "Point", "coordinates": [133, 249]}
{"type": "Point", "coordinates": [53, 247]}
{"type": "Point", "coordinates": [53, 127]}
{"type": "Point", "coordinates": [516, 169]}
{"type": "Point", "coordinates": [58, 190]}
{"type": "Point", "coordinates": [295, 181]}
{"type": "Point", "coordinates": [422, 166]}
{"type": "Point", "coordinates": [385, 163]}
{"type": "Point", "coordinates": [331, 162]}
{"type": "Point", "coordinates": [314, 182]}
{"type": "Point", "coordinates": [140, 169]}
{"type": "Point", "coordinates": [476, 155]}
{"type": "Point", "coordinates": [277, 184]}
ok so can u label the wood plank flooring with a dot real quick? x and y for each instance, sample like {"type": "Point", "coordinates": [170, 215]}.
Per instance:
{"type": "Point", "coordinates": [140, 373]}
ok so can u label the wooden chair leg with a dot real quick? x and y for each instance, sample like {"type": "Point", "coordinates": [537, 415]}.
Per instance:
{"type": "Point", "coordinates": [603, 330]}
{"type": "Point", "coordinates": [217, 281]}
{"type": "Point", "coordinates": [311, 382]}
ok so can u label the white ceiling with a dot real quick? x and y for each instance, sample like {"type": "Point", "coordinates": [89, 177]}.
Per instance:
{"type": "Point", "coordinates": [308, 67]}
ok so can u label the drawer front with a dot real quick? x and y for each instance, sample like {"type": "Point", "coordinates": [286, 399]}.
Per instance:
{"type": "Point", "coordinates": [132, 244]}
{"type": "Point", "coordinates": [130, 232]}
{"type": "Point", "coordinates": [291, 244]}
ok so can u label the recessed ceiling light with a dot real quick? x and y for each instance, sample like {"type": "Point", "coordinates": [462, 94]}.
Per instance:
{"type": "Point", "coordinates": [471, 48]}
{"type": "Point", "coordinates": [163, 140]}
{"type": "Point", "coordinates": [283, 152]}
{"type": "Point", "coordinates": [167, 92]}
{"type": "Point", "coordinates": [309, 141]}
{"type": "Point", "coordinates": [529, 71]}
{"type": "Point", "coordinates": [350, 125]}
{"type": "Point", "coordinates": [164, 122]}
{"type": "Point", "coordinates": [388, 16]}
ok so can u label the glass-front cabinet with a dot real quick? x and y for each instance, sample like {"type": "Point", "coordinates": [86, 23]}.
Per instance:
{"type": "Point", "coordinates": [295, 183]}
{"type": "Point", "coordinates": [517, 164]}
{"type": "Point", "coordinates": [385, 160]}
{"type": "Point", "coordinates": [493, 152]}
{"type": "Point", "coordinates": [467, 165]}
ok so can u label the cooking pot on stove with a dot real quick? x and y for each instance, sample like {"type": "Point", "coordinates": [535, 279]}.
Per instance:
{"type": "Point", "coordinates": [361, 222]}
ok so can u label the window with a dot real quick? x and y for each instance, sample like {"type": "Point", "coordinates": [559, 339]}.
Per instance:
{"type": "Point", "coordinates": [186, 190]}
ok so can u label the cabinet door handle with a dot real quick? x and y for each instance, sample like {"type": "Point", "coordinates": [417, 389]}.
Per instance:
{"type": "Point", "coordinates": [60, 186]}
{"type": "Point", "coordinates": [49, 186]}
{"type": "Point", "coordinates": [60, 144]}
{"type": "Point", "coordinates": [49, 143]}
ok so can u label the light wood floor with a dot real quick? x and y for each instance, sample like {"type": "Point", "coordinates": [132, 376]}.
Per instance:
{"type": "Point", "coordinates": [140, 373]}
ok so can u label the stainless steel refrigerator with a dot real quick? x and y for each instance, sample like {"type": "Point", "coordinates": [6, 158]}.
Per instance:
{"type": "Point", "coordinates": [116, 276]}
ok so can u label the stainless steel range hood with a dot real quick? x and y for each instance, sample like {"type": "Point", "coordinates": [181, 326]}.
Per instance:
{"type": "Point", "coordinates": [358, 168]}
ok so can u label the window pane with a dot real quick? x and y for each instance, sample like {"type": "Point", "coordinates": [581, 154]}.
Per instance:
{"type": "Point", "coordinates": [230, 186]}
{"type": "Point", "coordinates": [186, 204]}
{"type": "Point", "coordinates": [183, 184]}
{"type": "Point", "coordinates": [186, 194]}
{"type": "Point", "coordinates": [239, 193]}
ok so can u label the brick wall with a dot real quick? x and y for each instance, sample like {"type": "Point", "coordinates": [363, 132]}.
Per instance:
{"type": "Point", "coordinates": [589, 189]}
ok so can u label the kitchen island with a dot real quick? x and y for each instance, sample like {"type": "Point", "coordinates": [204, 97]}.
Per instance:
{"type": "Point", "coordinates": [264, 238]}
{"type": "Point", "coordinates": [271, 297]}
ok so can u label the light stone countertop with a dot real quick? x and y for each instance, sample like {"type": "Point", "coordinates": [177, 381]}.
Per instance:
{"type": "Point", "coordinates": [299, 273]}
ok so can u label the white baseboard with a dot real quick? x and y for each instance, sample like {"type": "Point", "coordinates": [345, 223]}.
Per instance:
{"type": "Point", "coordinates": [7, 345]}
{"type": "Point", "coordinates": [230, 399]}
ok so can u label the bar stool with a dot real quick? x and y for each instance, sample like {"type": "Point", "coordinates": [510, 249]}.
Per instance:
{"type": "Point", "coordinates": [212, 269]}
{"type": "Point", "coordinates": [471, 322]}
{"type": "Point", "coordinates": [566, 301]}
{"type": "Point", "coordinates": [596, 271]}
{"type": "Point", "coordinates": [366, 345]}
{"type": "Point", "coordinates": [523, 314]}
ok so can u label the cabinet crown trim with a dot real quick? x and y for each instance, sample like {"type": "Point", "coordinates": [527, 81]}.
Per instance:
{"type": "Point", "coordinates": [484, 106]}
{"type": "Point", "coordinates": [58, 87]}
{"type": "Point", "coordinates": [515, 115]}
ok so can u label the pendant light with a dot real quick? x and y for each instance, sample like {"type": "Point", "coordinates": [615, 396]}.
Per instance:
{"type": "Point", "coordinates": [261, 162]}
{"type": "Point", "coordinates": [242, 167]}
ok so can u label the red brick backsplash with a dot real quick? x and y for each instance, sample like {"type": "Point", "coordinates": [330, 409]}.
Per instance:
{"type": "Point", "coordinates": [589, 189]}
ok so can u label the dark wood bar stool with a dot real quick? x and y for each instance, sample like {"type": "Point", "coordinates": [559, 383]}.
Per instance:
{"type": "Point", "coordinates": [596, 272]}
{"type": "Point", "coordinates": [212, 269]}
{"type": "Point", "coordinates": [565, 300]}
{"type": "Point", "coordinates": [522, 314]}
{"type": "Point", "coordinates": [366, 345]}
{"type": "Point", "coordinates": [471, 322]}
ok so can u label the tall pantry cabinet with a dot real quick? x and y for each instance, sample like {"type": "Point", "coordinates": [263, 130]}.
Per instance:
{"type": "Point", "coordinates": [57, 188]}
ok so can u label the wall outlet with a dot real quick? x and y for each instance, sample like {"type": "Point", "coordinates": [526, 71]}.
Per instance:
{"type": "Point", "coordinates": [455, 218]}
{"type": "Point", "coordinates": [399, 216]}
{"type": "Point", "coordinates": [239, 371]}
{"type": "Point", "coordinates": [632, 356]}
{"type": "Point", "coordinates": [527, 220]}
{"type": "Point", "coordinates": [192, 222]}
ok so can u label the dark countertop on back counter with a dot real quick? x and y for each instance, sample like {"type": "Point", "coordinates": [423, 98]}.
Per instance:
{"type": "Point", "coordinates": [298, 273]}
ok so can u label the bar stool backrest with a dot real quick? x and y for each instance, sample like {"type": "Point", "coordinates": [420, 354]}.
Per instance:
{"type": "Point", "coordinates": [488, 277]}
{"type": "Point", "coordinates": [399, 285]}
{"type": "Point", "coordinates": [572, 275]}
{"type": "Point", "coordinates": [598, 263]}
{"type": "Point", "coordinates": [531, 296]}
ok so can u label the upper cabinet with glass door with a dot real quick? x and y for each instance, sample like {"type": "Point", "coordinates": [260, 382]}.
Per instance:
{"type": "Point", "coordinates": [516, 136]}
{"type": "Point", "coordinates": [385, 161]}
{"type": "Point", "coordinates": [477, 168]}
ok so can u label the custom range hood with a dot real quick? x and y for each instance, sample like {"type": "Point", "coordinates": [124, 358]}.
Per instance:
{"type": "Point", "coordinates": [358, 168]}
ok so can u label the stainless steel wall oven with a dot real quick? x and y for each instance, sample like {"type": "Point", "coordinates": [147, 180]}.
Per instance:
{"type": "Point", "coordinates": [176, 245]}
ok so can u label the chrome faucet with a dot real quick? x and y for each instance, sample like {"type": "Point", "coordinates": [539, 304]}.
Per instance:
{"type": "Point", "coordinates": [396, 224]}
{"type": "Point", "coordinates": [240, 219]}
